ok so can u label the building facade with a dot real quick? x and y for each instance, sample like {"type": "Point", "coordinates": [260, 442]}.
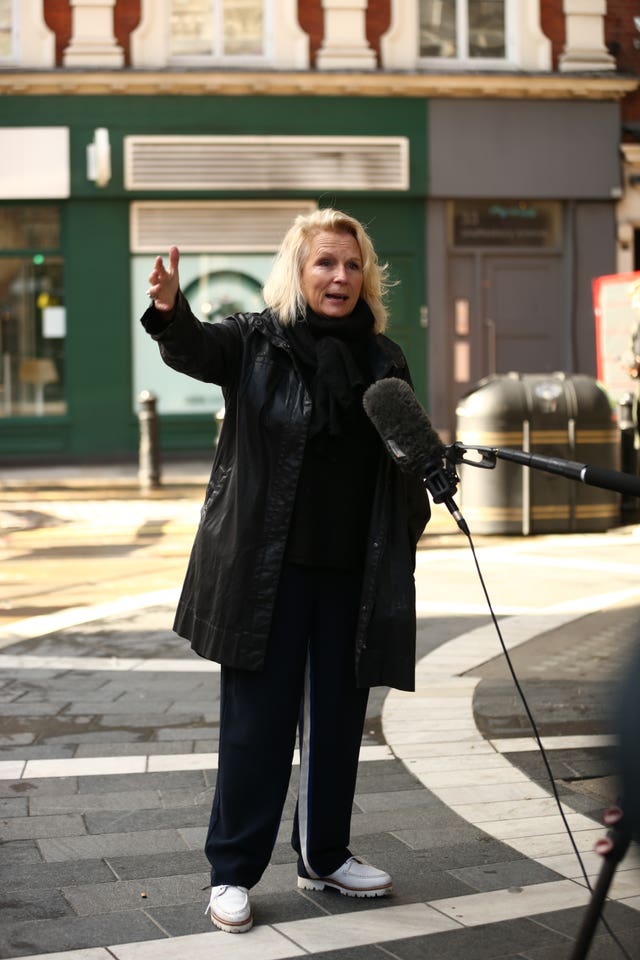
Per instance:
{"type": "Point", "coordinates": [489, 146]}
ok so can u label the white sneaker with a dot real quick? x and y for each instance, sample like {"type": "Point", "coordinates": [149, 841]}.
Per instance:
{"type": "Point", "coordinates": [230, 909]}
{"type": "Point", "coordinates": [355, 878]}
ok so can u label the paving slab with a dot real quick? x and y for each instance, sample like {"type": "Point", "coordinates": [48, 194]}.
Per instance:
{"type": "Point", "coordinates": [511, 937]}
{"type": "Point", "coordinates": [34, 827]}
{"type": "Point", "coordinates": [42, 875]}
{"type": "Point", "coordinates": [174, 863]}
{"type": "Point", "coordinates": [118, 895]}
{"type": "Point", "coordinates": [110, 845]}
{"type": "Point", "coordinates": [68, 933]}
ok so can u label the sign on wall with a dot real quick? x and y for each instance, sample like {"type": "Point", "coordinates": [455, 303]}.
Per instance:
{"type": "Point", "coordinates": [34, 163]}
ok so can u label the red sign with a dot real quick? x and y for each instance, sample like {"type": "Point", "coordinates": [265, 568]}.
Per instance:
{"type": "Point", "coordinates": [616, 300]}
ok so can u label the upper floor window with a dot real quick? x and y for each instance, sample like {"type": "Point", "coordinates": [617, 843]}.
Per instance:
{"type": "Point", "coordinates": [25, 39]}
{"type": "Point", "coordinates": [217, 29]}
{"type": "Point", "coordinates": [6, 30]}
{"type": "Point", "coordinates": [202, 33]}
{"type": "Point", "coordinates": [465, 35]}
{"type": "Point", "coordinates": [463, 29]}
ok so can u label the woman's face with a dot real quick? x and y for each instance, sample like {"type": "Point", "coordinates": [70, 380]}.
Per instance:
{"type": "Point", "coordinates": [331, 279]}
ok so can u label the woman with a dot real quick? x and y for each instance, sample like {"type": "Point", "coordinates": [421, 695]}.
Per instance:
{"type": "Point", "coordinates": [300, 581]}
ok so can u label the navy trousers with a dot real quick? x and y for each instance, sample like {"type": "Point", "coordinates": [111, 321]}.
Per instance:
{"type": "Point", "coordinates": [308, 683]}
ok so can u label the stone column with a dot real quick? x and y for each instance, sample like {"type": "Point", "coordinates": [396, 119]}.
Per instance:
{"type": "Point", "coordinates": [345, 46]}
{"type": "Point", "coordinates": [93, 42]}
{"type": "Point", "coordinates": [585, 49]}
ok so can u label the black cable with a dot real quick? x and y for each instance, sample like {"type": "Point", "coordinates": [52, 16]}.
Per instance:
{"type": "Point", "coordinates": [538, 739]}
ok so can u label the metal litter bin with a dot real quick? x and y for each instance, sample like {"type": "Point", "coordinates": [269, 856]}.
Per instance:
{"type": "Point", "coordinates": [553, 414]}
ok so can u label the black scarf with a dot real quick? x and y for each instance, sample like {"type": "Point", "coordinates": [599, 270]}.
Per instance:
{"type": "Point", "coordinates": [333, 356]}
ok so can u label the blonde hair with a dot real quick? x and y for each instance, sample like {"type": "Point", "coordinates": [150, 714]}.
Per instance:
{"type": "Point", "coordinates": [282, 291]}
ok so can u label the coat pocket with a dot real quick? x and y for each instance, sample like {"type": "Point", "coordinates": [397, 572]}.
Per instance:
{"type": "Point", "coordinates": [214, 489]}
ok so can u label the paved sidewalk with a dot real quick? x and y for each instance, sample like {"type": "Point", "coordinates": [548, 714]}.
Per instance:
{"type": "Point", "coordinates": [108, 743]}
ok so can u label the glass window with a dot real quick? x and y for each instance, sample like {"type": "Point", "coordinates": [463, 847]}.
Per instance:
{"type": "Point", "coordinates": [6, 28]}
{"type": "Point", "coordinates": [32, 313]}
{"type": "Point", "coordinates": [217, 29]}
{"type": "Point", "coordinates": [215, 285]}
{"type": "Point", "coordinates": [463, 29]}
{"type": "Point", "coordinates": [438, 28]}
{"type": "Point", "coordinates": [486, 29]}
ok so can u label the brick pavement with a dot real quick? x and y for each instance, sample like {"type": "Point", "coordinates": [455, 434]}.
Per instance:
{"type": "Point", "coordinates": [99, 865]}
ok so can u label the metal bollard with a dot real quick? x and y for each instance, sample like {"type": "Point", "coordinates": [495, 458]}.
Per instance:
{"type": "Point", "coordinates": [149, 448]}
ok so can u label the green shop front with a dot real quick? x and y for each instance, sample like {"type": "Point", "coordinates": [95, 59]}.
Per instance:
{"type": "Point", "coordinates": [97, 186]}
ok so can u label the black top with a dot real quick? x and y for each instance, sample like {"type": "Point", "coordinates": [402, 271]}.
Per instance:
{"type": "Point", "coordinates": [334, 497]}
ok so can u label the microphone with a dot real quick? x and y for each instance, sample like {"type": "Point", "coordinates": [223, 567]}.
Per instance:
{"type": "Point", "coordinates": [407, 433]}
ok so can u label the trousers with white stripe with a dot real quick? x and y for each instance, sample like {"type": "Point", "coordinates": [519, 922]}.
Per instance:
{"type": "Point", "coordinates": [307, 685]}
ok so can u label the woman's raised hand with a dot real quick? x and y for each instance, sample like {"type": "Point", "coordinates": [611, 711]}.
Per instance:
{"type": "Point", "coordinates": [164, 282]}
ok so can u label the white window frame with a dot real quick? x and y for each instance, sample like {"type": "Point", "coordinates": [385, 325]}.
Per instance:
{"type": "Point", "coordinates": [218, 57]}
{"type": "Point", "coordinates": [286, 46]}
{"type": "Point", "coordinates": [527, 48]}
{"type": "Point", "coordinates": [462, 41]}
{"type": "Point", "coordinates": [33, 44]}
{"type": "Point", "coordinates": [12, 56]}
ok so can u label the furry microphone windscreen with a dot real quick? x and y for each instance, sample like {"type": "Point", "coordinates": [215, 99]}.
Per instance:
{"type": "Point", "coordinates": [403, 424]}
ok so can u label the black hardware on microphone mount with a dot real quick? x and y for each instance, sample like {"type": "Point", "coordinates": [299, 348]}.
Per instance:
{"type": "Point", "coordinates": [455, 454]}
{"type": "Point", "coordinates": [441, 480]}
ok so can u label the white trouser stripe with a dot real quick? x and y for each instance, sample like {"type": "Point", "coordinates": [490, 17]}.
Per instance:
{"type": "Point", "coordinates": [305, 750]}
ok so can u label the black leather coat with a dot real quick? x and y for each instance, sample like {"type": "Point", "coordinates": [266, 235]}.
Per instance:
{"type": "Point", "coordinates": [228, 595]}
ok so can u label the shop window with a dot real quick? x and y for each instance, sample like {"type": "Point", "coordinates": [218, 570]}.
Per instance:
{"type": "Point", "coordinates": [217, 29]}
{"type": "Point", "coordinates": [215, 285]}
{"type": "Point", "coordinates": [32, 313]}
{"type": "Point", "coordinates": [463, 29]}
{"type": "Point", "coordinates": [226, 253]}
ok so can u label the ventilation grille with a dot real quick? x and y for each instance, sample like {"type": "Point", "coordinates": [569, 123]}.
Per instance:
{"type": "Point", "coordinates": [266, 163]}
{"type": "Point", "coordinates": [212, 227]}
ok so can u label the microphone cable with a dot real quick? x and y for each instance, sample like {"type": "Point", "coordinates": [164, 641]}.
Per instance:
{"type": "Point", "coordinates": [538, 740]}
{"type": "Point", "coordinates": [416, 448]}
